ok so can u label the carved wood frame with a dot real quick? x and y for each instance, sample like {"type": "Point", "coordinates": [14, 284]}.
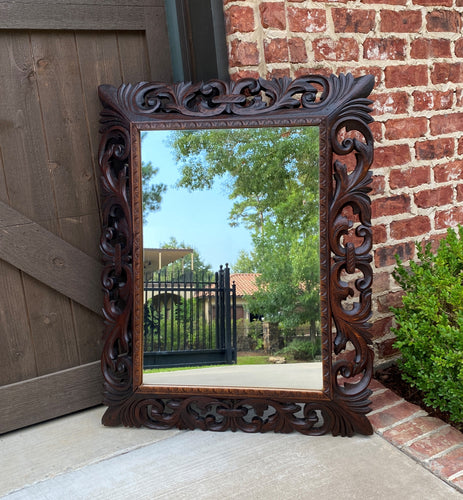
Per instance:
{"type": "Point", "coordinates": [336, 104]}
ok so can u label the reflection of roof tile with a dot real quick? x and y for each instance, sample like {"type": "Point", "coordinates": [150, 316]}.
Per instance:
{"type": "Point", "coordinates": [245, 283]}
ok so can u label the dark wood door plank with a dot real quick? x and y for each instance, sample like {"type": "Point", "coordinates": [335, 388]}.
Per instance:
{"type": "Point", "coordinates": [46, 257]}
{"type": "Point", "coordinates": [17, 356]}
{"type": "Point", "coordinates": [50, 396]}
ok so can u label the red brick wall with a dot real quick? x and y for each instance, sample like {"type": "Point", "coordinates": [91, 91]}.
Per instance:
{"type": "Point", "coordinates": [415, 51]}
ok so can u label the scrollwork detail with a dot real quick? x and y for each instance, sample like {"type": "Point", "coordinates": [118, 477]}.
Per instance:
{"type": "Point", "coordinates": [336, 104]}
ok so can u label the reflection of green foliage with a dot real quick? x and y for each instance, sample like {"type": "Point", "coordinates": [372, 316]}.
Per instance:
{"type": "Point", "coordinates": [199, 265]}
{"type": "Point", "coordinates": [178, 326]}
{"type": "Point", "coordinates": [301, 349]}
{"type": "Point", "coordinates": [151, 193]}
{"type": "Point", "coordinates": [272, 176]}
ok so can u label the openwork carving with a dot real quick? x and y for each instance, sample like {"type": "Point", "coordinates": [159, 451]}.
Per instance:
{"type": "Point", "coordinates": [341, 108]}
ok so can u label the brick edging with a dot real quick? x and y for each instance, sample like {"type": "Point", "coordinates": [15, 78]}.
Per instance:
{"type": "Point", "coordinates": [431, 442]}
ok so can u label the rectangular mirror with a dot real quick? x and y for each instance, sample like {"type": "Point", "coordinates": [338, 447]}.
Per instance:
{"type": "Point", "coordinates": [294, 159]}
{"type": "Point", "coordinates": [269, 301]}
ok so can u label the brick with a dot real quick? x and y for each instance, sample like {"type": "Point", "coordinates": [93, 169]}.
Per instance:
{"type": "Point", "coordinates": [278, 73]}
{"type": "Point", "coordinates": [357, 70]}
{"type": "Point", "coordinates": [434, 197]}
{"type": "Point", "coordinates": [381, 282]}
{"type": "Point", "coordinates": [459, 97]}
{"type": "Point", "coordinates": [432, 100]}
{"type": "Point", "coordinates": [429, 48]}
{"type": "Point", "coordinates": [297, 51]}
{"type": "Point", "coordinates": [389, 156]}
{"type": "Point", "coordinates": [386, 349]}
{"type": "Point", "coordinates": [276, 50]}
{"type": "Point", "coordinates": [449, 218]}
{"type": "Point", "coordinates": [443, 20]}
{"type": "Point", "coordinates": [378, 185]}
{"type": "Point", "coordinates": [379, 233]}
{"type": "Point", "coordinates": [374, 385]}
{"type": "Point", "coordinates": [385, 256]}
{"type": "Point", "coordinates": [416, 226]}
{"type": "Point", "coordinates": [451, 171]}
{"type": "Point", "coordinates": [391, 299]}
{"type": "Point", "coordinates": [383, 49]}
{"type": "Point", "coordinates": [392, 415]}
{"type": "Point", "coordinates": [435, 149]}
{"type": "Point", "coordinates": [239, 18]}
{"type": "Point", "coordinates": [386, 398]}
{"type": "Point", "coordinates": [385, 2]}
{"type": "Point", "coordinates": [377, 131]}
{"type": "Point", "coordinates": [449, 464]}
{"type": "Point", "coordinates": [460, 192]}
{"type": "Point", "coordinates": [406, 127]}
{"type": "Point", "coordinates": [412, 429]}
{"type": "Point", "coordinates": [437, 3]}
{"type": "Point", "coordinates": [458, 482]}
{"type": "Point", "coordinates": [459, 47]}
{"type": "Point", "coordinates": [380, 328]}
{"type": "Point", "coordinates": [404, 76]}
{"type": "Point", "coordinates": [446, 124]}
{"type": "Point", "coordinates": [244, 74]}
{"type": "Point", "coordinates": [392, 205]}
{"type": "Point", "coordinates": [353, 20]}
{"type": "Point", "coordinates": [435, 443]}
{"type": "Point", "coordinates": [306, 20]}
{"type": "Point", "coordinates": [447, 72]}
{"type": "Point", "coordinates": [410, 177]}
{"type": "Point", "coordinates": [243, 53]}
{"type": "Point", "coordinates": [404, 21]}
{"type": "Point", "coordinates": [272, 15]}
{"type": "Point", "coordinates": [392, 102]}
{"type": "Point", "coordinates": [327, 49]}
{"type": "Point", "coordinates": [326, 71]}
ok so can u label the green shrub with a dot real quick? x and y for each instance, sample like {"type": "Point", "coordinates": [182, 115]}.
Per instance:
{"type": "Point", "coordinates": [302, 349]}
{"type": "Point", "coordinates": [430, 324]}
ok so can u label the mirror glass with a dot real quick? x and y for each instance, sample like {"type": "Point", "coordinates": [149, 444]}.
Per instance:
{"type": "Point", "coordinates": [231, 257]}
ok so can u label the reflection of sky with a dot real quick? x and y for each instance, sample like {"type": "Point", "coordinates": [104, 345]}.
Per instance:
{"type": "Point", "coordinates": [199, 219]}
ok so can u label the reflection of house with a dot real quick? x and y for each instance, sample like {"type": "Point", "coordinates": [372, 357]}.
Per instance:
{"type": "Point", "coordinates": [155, 261]}
{"type": "Point", "coordinates": [245, 286]}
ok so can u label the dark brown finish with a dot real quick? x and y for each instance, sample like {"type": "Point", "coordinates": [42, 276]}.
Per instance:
{"type": "Point", "coordinates": [53, 56]}
{"type": "Point", "coordinates": [338, 106]}
{"type": "Point", "coordinates": [79, 387]}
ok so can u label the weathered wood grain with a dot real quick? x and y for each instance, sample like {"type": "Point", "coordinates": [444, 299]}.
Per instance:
{"type": "Point", "coordinates": [70, 17]}
{"type": "Point", "coordinates": [46, 257]}
{"type": "Point", "coordinates": [134, 58]}
{"type": "Point", "coordinates": [30, 189]}
{"type": "Point", "coordinates": [50, 396]}
{"type": "Point", "coordinates": [17, 356]}
{"type": "Point", "coordinates": [49, 183]}
{"type": "Point", "coordinates": [158, 52]}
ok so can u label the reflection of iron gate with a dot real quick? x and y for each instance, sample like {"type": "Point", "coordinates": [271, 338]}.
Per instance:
{"type": "Point", "coordinates": [189, 318]}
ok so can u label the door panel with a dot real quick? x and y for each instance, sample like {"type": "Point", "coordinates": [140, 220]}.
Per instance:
{"type": "Point", "coordinates": [53, 58]}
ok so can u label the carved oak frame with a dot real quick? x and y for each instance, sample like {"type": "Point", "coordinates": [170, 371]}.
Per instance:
{"type": "Point", "coordinates": [336, 104]}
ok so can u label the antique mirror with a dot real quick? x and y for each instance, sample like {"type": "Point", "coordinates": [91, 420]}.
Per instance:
{"type": "Point", "coordinates": [149, 305]}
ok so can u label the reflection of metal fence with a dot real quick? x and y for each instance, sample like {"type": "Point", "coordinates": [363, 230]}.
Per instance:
{"type": "Point", "coordinates": [189, 318]}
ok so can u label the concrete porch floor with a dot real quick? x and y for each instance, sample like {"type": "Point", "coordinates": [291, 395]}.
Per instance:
{"type": "Point", "coordinates": [75, 457]}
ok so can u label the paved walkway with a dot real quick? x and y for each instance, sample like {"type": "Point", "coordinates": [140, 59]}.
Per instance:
{"type": "Point", "coordinates": [75, 457]}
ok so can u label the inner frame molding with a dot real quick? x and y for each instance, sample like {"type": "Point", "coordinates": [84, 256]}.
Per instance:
{"type": "Point", "coordinates": [340, 107]}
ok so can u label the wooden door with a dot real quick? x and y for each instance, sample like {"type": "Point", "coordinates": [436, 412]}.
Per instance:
{"type": "Point", "coordinates": [53, 56]}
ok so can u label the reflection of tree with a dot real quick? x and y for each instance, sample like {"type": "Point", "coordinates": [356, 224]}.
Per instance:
{"type": "Point", "coordinates": [272, 176]}
{"type": "Point", "coordinates": [152, 193]}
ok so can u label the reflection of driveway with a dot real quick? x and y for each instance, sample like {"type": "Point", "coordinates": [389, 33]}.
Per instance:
{"type": "Point", "coordinates": [287, 376]}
